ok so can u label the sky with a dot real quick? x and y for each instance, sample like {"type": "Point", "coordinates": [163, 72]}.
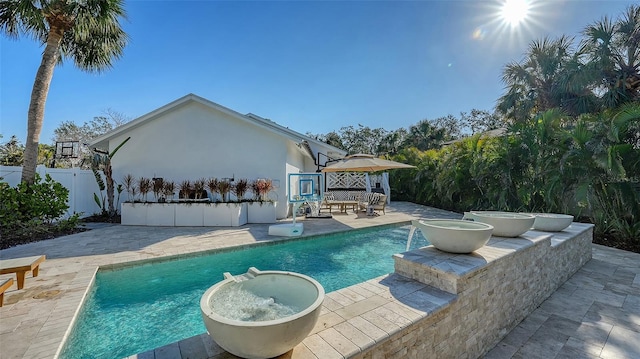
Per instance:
{"type": "Point", "coordinates": [312, 66]}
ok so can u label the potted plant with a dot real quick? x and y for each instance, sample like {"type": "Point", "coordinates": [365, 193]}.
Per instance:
{"type": "Point", "coordinates": [144, 184]}
{"type": "Point", "coordinates": [157, 187]}
{"type": "Point", "coordinates": [224, 187]}
{"type": "Point", "coordinates": [198, 188]}
{"type": "Point", "coordinates": [212, 184]}
{"type": "Point", "coordinates": [240, 189]}
{"type": "Point", "coordinates": [262, 210]}
{"type": "Point", "coordinates": [185, 189]}
{"type": "Point", "coordinates": [161, 213]}
{"type": "Point", "coordinates": [261, 188]}
{"type": "Point", "coordinates": [129, 185]}
{"type": "Point", "coordinates": [167, 189]}
{"type": "Point", "coordinates": [229, 214]}
{"type": "Point", "coordinates": [132, 212]}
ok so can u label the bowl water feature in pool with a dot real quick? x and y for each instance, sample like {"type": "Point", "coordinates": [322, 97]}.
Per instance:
{"type": "Point", "coordinates": [237, 303]}
{"type": "Point", "coordinates": [142, 307]}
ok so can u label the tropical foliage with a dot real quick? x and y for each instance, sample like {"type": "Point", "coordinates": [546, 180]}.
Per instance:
{"type": "Point", "coordinates": [87, 32]}
{"type": "Point", "coordinates": [101, 162]}
{"type": "Point", "coordinates": [601, 72]}
{"type": "Point", "coordinates": [33, 210]}
{"type": "Point", "coordinates": [12, 153]}
{"type": "Point", "coordinates": [570, 141]}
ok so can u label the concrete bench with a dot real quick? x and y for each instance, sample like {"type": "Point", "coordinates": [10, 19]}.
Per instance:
{"type": "Point", "coordinates": [4, 285]}
{"type": "Point", "coordinates": [20, 266]}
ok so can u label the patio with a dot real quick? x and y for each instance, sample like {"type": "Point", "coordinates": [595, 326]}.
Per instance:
{"type": "Point", "coordinates": [595, 314]}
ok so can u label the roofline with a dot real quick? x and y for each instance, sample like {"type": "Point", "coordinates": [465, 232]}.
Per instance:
{"type": "Point", "coordinates": [262, 122]}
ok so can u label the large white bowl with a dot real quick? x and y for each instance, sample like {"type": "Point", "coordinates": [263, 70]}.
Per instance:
{"type": "Point", "coordinates": [454, 235]}
{"type": "Point", "coordinates": [505, 224]}
{"type": "Point", "coordinates": [552, 222]}
{"type": "Point", "coordinates": [269, 338]}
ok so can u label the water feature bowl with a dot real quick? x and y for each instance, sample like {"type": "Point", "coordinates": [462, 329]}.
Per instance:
{"type": "Point", "coordinates": [454, 235]}
{"type": "Point", "coordinates": [505, 224]}
{"type": "Point", "coordinates": [261, 314]}
{"type": "Point", "coordinates": [552, 222]}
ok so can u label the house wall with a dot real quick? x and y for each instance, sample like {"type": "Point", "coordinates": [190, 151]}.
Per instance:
{"type": "Point", "coordinates": [194, 141]}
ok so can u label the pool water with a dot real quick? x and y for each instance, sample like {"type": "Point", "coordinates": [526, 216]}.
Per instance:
{"type": "Point", "coordinates": [139, 308]}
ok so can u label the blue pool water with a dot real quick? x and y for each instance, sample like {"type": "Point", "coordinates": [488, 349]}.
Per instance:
{"type": "Point", "coordinates": [138, 308]}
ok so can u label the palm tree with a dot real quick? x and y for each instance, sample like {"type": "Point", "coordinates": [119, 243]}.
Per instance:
{"type": "Point", "coordinates": [549, 77]}
{"type": "Point", "coordinates": [426, 135]}
{"type": "Point", "coordinates": [613, 50]}
{"type": "Point", "coordinates": [88, 32]}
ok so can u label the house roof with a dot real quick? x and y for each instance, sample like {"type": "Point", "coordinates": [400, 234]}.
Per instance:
{"type": "Point", "coordinates": [302, 140]}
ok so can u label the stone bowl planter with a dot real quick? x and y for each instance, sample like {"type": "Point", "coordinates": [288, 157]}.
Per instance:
{"type": "Point", "coordinates": [261, 314]}
{"type": "Point", "coordinates": [551, 222]}
{"type": "Point", "coordinates": [505, 224]}
{"type": "Point", "coordinates": [454, 235]}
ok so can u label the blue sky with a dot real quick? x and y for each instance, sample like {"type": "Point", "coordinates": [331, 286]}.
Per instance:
{"type": "Point", "coordinates": [313, 66]}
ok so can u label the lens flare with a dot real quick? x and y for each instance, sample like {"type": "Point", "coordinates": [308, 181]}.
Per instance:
{"type": "Point", "coordinates": [514, 12]}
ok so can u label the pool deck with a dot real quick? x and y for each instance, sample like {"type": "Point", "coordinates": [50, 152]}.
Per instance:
{"type": "Point", "coordinates": [595, 314]}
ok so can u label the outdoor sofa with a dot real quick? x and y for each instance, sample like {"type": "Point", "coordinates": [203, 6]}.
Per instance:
{"type": "Point", "coordinates": [357, 200]}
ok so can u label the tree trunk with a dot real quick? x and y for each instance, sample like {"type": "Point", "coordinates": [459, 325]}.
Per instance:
{"type": "Point", "coordinates": [39, 94]}
{"type": "Point", "coordinates": [108, 173]}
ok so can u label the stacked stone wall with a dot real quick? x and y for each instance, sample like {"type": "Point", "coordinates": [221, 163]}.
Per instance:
{"type": "Point", "coordinates": [496, 288]}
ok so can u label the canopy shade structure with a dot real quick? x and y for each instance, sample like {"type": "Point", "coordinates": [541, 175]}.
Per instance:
{"type": "Point", "coordinates": [364, 163]}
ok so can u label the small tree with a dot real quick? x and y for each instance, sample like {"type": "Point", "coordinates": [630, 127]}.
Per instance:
{"type": "Point", "coordinates": [102, 161]}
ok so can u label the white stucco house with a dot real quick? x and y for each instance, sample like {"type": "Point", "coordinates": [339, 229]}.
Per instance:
{"type": "Point", "coordinates": [192, 138]}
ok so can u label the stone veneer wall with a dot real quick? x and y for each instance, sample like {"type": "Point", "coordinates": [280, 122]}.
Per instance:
{"type": "Point", "coordinates": [496, 288]}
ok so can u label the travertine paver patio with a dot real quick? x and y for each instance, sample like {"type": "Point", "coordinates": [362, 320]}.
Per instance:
{"type": "Point", "coordinates": [602, 298]}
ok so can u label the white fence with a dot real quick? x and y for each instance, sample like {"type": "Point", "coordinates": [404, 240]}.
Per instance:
{"type": "Point", "coordinates": [80, 183]}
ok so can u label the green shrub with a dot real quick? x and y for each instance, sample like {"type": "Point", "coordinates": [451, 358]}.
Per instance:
{"type": "Point", "coordinates": [42, 202]}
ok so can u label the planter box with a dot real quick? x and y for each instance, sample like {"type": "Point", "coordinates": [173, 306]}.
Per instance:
{"type": "Point", "coordinates": [224, 214]}
{"type": "Point", "coordinates": [133, 214]}
{"type": "Point", "coordinates": [161, 214]}
{"type": "Point", "coordinates": [186, 214]}
{"type": "Point", "coordinates": [189, 215]}
{"type": "Point", "coordinates": [261, 212]}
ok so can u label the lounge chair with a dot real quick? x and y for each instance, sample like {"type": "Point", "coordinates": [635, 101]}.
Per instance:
{"type": "Point", "coordinates": [20, 266]}
{"type": "Point", "coordinates": [4, 285]}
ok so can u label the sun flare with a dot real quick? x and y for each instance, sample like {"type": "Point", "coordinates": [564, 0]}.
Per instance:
{"type": "Point", "coordinates": [513, 12]}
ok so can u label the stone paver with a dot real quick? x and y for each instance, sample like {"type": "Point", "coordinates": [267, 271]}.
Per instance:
{"type": "Point", "coordinates": [595, 314]}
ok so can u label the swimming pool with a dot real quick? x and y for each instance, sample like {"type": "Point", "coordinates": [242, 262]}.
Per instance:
{"type": "Point", "coordinates": [139, 308]}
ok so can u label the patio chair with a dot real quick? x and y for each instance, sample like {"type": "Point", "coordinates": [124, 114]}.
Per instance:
{"type": "Point", "coordinates": [376, 200]}
{"type": "Point", "coordinates": [382, 202]}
